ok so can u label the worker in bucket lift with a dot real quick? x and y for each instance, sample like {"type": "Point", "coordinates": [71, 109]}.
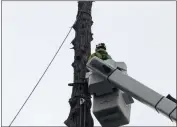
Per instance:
{"type": "Point", "coordinates": [101, 52]}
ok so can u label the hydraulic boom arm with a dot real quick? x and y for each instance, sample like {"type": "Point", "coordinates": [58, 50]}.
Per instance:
{"type": "Point", "coordinates": [134, 88]}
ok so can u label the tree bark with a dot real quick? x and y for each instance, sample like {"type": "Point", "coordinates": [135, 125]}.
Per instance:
{"type": "Point", "coordinates": [80, 115]}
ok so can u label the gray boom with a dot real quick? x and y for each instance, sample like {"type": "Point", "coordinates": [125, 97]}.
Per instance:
{"type": "Point", "coordinates": [134, 88]}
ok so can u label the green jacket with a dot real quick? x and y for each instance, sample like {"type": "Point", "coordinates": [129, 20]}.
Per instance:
{"type": "Point", "coordinates": [101, 53]}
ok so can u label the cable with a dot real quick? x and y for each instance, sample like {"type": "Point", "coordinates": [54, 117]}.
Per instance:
{"type": "Point", "coordinates": [78, 17]}
{"type": "Point", "coordinates": [41, 76]}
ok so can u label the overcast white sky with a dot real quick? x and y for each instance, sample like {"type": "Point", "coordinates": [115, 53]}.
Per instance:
{"type": "Point", "coordinates": [142, 34]}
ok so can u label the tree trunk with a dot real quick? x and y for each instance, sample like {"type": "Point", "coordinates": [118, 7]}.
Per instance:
{"type": "Point", "coordinates": [80, 115]}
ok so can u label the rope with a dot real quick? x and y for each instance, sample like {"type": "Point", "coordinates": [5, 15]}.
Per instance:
{"type": "Point", "coordinates": [41, 77]}
{"type": "Point", "coordinates": [78, 17]}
